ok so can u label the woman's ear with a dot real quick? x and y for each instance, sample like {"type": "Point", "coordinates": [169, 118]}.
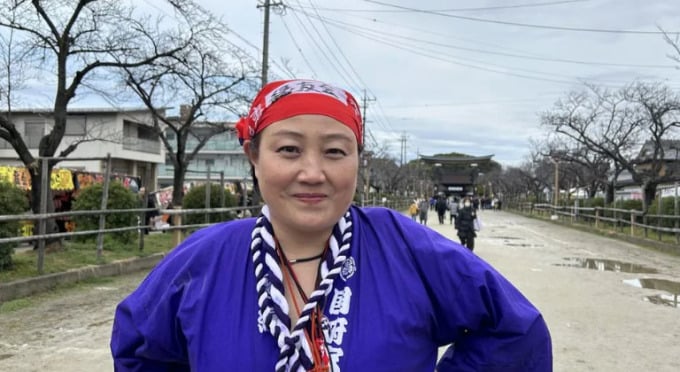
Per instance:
{"type": "Point", "coordinates": [252, 155]}
{"type": "Point", "coordinates": [247, 149]}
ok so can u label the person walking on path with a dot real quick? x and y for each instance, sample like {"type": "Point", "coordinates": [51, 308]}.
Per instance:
{"type": "Point", "coordinates": [453, 210]}
{"type": "Point", "coordinates": [441, 207]}
{"type": "Point", "coordinates": [465, 224]}
{"type": "Point", "coordinates": [309, 284]}
{"type": "Point", "coordinates": [423, 210]}
{"type": "Point", "coordinates": [413, 210]}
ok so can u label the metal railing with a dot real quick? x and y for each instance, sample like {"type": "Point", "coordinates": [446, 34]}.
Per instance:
{"type": "Point", "coordinates": [141, 145]}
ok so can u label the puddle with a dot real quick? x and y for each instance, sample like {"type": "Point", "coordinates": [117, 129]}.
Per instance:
{"type": "Point", "coordinates": [672, 288]}
{"type": "Point", "coordinates": [607, 265]}
{"type": "Point", "coordinates": [522, 245]}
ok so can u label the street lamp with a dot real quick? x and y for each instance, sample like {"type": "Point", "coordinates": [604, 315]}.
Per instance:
{"type": "Point", "coordinates": [475, 171]}
{"type": "Point", "coordinates": [438, 176]}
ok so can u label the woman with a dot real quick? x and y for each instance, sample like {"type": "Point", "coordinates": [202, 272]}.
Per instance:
{"type": "Point", "coordinates": [315, 284]}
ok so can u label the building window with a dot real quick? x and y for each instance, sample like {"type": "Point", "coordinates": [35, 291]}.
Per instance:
{"type": "Point", "coordinates": [75, 125]}
{"type": "Point", "coordinates": [34, 130]}
{"type": "Point", "coordinates": [209, 162]}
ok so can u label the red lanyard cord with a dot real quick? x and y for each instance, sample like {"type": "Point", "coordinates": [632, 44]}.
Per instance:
{"type": "Point", "coordinates": [319, 349]}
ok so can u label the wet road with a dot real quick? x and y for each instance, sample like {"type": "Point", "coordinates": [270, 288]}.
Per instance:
{"type": "Point", "coordinates": [607, 303]}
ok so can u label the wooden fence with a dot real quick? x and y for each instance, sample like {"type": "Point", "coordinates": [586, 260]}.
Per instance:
{"type": "Point", "coordinates": [41, 218]}
{"type": "Point", "coordinates": [178, 229]}
{"type": "Point", "coordinates": [631, 222]}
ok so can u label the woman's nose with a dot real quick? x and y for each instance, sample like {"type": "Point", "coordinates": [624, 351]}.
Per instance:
{"type": "Point", "coordinates": [312, 169]}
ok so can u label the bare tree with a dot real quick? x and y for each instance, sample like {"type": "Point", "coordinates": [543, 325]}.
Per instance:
{"type": "Point", "coordinates": [674, 42]}
{"type": "Point", "coordinates": [209, 88]}
{"type": "Point", "coordinates": [617, 124]}
{"type": "Point", "coordinates": [579, 166]}
{"type": "Point", "coordinates": [387, 176]}
{"type": "Point", "coordinates": [78, 43]}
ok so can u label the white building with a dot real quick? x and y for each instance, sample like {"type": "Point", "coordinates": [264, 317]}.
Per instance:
{"type": "Point", "coordinates": [221, 154]}
{"type": "Point", "coordinates": [126, 134]}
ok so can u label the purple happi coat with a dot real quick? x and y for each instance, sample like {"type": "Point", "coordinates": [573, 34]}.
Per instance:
{"type": "Point", "coordinates": [404, 292]}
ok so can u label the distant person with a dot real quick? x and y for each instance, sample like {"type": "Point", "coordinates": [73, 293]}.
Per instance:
{"type": "Point", "coordinates": [423, 210]}
{"type": "Point", "coordinates": [413, 210]}
{"type": "Point", "coordinates": [441, 207]}
{"type": "Point", "coordinates": [453, 210]}
{"type": "Point", "coordinates": [465, 224]}
{"type": "Point", "coordinates": [150, 215]}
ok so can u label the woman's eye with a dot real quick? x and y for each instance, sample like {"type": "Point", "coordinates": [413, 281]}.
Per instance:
{"type": "Point", "coordinates": [337, 152]}
{"type": "Point", "coordinates": [288, 149]}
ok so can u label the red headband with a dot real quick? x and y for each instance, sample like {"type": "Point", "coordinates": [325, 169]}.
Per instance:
{"type": "Point", "coordinates": [284, 99]}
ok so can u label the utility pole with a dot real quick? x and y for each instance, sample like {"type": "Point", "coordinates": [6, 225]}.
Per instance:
{"type": "Point", "coordinates": [556, 191]}
{"type": "Point", "coordinates": [364, 106]}
{"type": "Point", "coordinates": [265, 37]}
{"type": "Point", "coordinates": [556, 197]}
{"type": "Point", "coordinates": [366, 155]}
{"type": "Point", "coordinates": [403, 140]}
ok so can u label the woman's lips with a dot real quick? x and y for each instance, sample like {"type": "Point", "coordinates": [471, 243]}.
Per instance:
{"type": "Point", "coordinates": [310, 198]}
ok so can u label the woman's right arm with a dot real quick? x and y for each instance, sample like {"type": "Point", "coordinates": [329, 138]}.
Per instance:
{"type": "Point", "coordinates": [146, 331]}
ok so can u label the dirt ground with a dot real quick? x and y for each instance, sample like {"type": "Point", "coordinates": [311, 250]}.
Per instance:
{"type": "Point", "coordinates": [598, 322]}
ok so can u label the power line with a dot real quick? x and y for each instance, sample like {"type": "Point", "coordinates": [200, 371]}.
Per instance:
{"type": "Point", "coordinates": [437, 55]}
{"type": "Point", "coordinates": [350, 81]}
{"type": "Point", "coordinates": [451, 104]}
{"type": "Point", "coordinates": [319, 47]}
{"type": "Point", "coordinates": [521, 56]}
{"type": "Point", "coordinates": [499, 7]}
{"type": "Point", "coordinates": [528, 25]}
{"type": "Point", "coordinates": [297, 46]}
{"type": "Point", "coordinates": [345, 74]}
{"type": "Point", "coordinates": [383, 38]}
{"type": "Point", "coordinates": [517, 54]}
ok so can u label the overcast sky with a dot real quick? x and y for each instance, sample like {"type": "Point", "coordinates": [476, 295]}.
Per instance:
{"type": "Point", "coordinates": [461, 76]}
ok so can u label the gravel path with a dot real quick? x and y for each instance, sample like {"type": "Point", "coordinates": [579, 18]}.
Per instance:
{"type": "Point", "coordinates": [598, 320]}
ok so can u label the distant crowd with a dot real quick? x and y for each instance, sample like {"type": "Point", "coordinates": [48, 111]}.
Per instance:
{"type": "Point", "coordinates": [462, 213]}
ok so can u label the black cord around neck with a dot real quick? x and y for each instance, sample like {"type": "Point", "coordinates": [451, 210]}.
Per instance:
{"type": "Point", "coordinates": [304, 259]}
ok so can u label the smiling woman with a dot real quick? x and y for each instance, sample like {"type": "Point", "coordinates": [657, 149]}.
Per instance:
{"type": "Point", "coordinates": [316, 284]}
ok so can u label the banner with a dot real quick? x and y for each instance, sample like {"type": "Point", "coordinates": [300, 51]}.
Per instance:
{"type": "Point", "coordinates": [60, 179]}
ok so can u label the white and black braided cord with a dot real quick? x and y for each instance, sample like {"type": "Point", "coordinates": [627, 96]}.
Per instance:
{"type": "Point", "coordinates": [294, 350]}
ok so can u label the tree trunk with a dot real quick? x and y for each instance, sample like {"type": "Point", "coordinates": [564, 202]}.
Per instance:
{"type": "Point", "coordinates": [51, 225]}
{"type": "Point", "coordinates": [179, 173]}
{"type": "Point", "coordinates": [609, 194]}
{"type": "Point", "coordinates": [649, 193]}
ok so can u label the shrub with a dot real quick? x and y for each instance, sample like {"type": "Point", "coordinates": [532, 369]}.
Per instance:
{"type": "Point", "coordinates": [667, 209]}
{"type": "Point", "coordinates": [195, 199]}
{"type": "Point", "coordinates": [13, 201]}
{"type": "Point", "coordinates": [623, 204]}
{"type": "Point", "coordinates": [594, 202]}
{"type": "Point", "coordinates": [89, 198]}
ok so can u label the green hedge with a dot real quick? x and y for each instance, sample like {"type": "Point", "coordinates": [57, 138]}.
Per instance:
{"type": "Point", "coordinates": [13, 201]}
{"type": "Point", "coordinates": [195, 199]}
{"type": "Point", "coordinates": [89, 198]}
{"type": "Point", "coordinates": [667, 209]}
